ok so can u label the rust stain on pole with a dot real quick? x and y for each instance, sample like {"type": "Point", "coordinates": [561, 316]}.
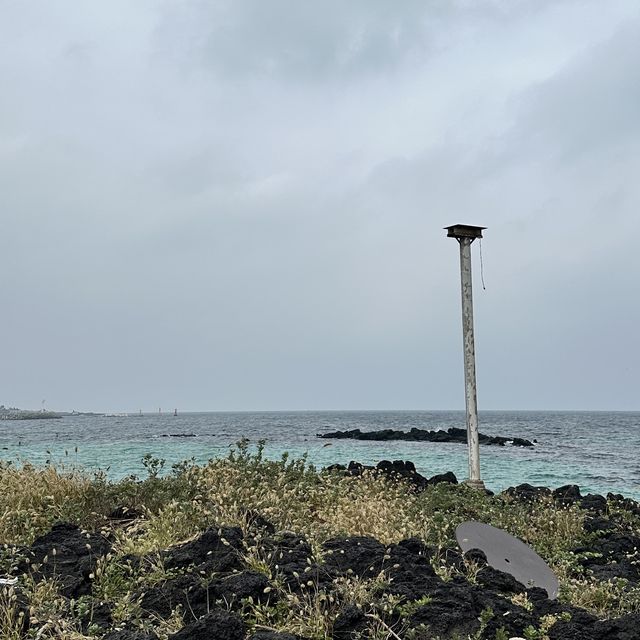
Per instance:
{"type": "Point", "coordinates": [465, 235]}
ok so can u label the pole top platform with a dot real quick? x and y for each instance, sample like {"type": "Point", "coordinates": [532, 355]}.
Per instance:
{"type": "Point", "coordinates": [464, 231]}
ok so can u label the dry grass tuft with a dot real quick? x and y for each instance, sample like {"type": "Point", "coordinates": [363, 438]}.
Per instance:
{"type": "Point", "coordinates": [294, 496]}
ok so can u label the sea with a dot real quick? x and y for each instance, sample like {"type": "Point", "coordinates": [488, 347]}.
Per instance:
{"type": "Point", "coordinates": [599, 451]}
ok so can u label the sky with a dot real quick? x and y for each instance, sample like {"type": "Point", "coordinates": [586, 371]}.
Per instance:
{"type": "Point", "coordinates": [239, 204]}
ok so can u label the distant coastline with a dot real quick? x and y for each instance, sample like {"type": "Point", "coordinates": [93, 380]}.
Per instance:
{"type": "Point", "coordinates": [12, 413]}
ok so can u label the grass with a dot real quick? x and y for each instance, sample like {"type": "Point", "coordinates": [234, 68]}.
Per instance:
{"type": "Point", "coordinates": [294, 496]}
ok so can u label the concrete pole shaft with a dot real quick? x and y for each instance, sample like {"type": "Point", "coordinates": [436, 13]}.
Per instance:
{"type": "Point", "coordinates": [469, 363]}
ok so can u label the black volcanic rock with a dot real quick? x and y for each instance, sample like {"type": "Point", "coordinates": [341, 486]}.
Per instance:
{"type": "Point", "coordinates": [402, 469]}
{"type": "Point", "coordinates": [398, 469]}
{"type": "Point", "coordinates": [290, 556]}
{"type": "Point", "coordinates": [195, 596]}
{"type": "Point", "coordinates": [521, 442]}
{"type": "Point", "coordinates": [614, 547]}
{"type": "Point", "coordinates": [594, 503]}
{"type": "Point", "coordinates": [247, 584]}
{"type": "Point", "coordinates": [98, 615]}
{"type": "Point", "coordinates": [350, 623]}
{"type": "Point", "coordinates": [626, 503]}
{"type": "Point", "coordinates": [477, 556]}
{"type": "Point", "coordinates": [67, 554]}
{"type": "Point", "coordinates": [218, 625]}
{"type": "Point", "coordinates": [625, 627]}
{"type": "Point", "coordinates": [567, 494]}
{"type": "Point", "coordinates": [448, 477]}
{"type": "Point", "coordinates": [360, 556]}
{"type": "Point", "coordinates": [130, 634]}
{"type": "Point", "coordinates": [499, 581]}
{"type": "Point", "coordinates": [409, 568]}
{"type": "Point", "coordinates": [452, 434]}
{"type": "Point", "coordinates": [594, 524]}
{"type": "Point", "coordinates": [211, 582]}
{"type": "Point", "coordinates": [186, 591]}
{"type": "Point", "coordinates": [527, 493]}
{"type": "Point", "coordinates": [215, 550]}
{"type": "Point", "coordinates": [273, 635]}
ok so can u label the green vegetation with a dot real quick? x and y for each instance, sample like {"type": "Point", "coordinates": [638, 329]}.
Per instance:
{"type": "Point", "coordinates": [318, 505]}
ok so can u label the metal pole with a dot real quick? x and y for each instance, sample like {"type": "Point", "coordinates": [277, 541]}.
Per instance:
{"type": "Point", "coordinates": [469, 364]}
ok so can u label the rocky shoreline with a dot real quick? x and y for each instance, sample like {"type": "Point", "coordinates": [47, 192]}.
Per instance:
{"type": "Point", "coordinates": [452, 434]}
{"type": "Point", "coordinates": [416, 591]}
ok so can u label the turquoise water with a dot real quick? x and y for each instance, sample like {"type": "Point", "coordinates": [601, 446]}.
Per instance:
{"type": "Point", "coordinates": [596, 450]}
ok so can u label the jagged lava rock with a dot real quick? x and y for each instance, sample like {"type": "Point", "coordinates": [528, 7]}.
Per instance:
{"type": "Point", "coordinates": [217, 625]}
{"type": "Point", "coordinates": [567, 494]}
{"type": "Point", "coordinates": [290, 556]}
{"type": "Point", "coordinates": [99, 615]}
{"type": "Point", "coordinates": [186, 591]}
{"type": "Point", "coordinates": [361, 556]}
{"type": "Point", "coordinates": [71, 556]}
{"type": "Point", "coordinates": [236, 587]}
{"type": "Point", "coordinates": [453, 434]}
{"type": "Point", "coordinates": [455, 608]}
{"type": "Point", "coordinates": [194, 597]}
{"type": "Point", "coordinates": [593, 524]}
{"type": "Point", "coordinates": [398, 469]}
{"type": "Point", "coordinates": [218, 549]}
{"type": "Point", "coordinates": [499, 581]}
{"type": "Point", "coordinates": [625, 627]}
{"type": "Point", "coordinates": [409, 567]}
{"type": "Point", "coordinates": [274, 635]}
{"type": "Point", "coordinates": [477, 556]}
{"type": "Point", "coordinates": [626, 503]}
{"type": "Point", "coordinates": [580, 625]}
{"type": "Point", "coordinates": [618, 552]}
{"type": "Point", "coordinates": [527, 492]}
{"type": "Point", "coordinates": [594, 503]}
{"type": "Point", "coordinates": [446, 616]}
{"type": "Point", "coordinates": [130, 634]}
{"type": "Point", "coordinates": [448, 477]}
{"type": "Point", "coordinates": [350, 623]}
{"type": "Point", "coordinates": [614, 547]}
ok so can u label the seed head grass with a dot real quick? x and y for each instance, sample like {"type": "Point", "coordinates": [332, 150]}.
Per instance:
{"type": "Point", "coordinates": [175, 506]}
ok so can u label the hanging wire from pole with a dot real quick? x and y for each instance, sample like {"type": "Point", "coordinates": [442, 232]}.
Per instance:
{"type": "Point", "coordinates": [481, 265]}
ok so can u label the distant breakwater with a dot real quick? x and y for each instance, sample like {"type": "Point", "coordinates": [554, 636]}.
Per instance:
{"type": "Point", "coordinates": [29, 415]}
{"type": "Point", "coordinates": [452, 434]}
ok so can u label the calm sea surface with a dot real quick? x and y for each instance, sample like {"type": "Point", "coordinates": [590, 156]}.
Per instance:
{"type": "Point", "coordinates": [600, 451]}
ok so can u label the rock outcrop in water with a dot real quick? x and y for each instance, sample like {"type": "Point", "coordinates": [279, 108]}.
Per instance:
{"type": "Point", "coordinates": [452, 434]}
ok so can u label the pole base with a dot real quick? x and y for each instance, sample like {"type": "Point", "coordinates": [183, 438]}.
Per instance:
{"type": "Point", "coordinates": [475, 484]}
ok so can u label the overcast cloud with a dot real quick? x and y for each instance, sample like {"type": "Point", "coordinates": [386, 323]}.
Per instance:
{"type": "Point", "coordinates": [238, 204]}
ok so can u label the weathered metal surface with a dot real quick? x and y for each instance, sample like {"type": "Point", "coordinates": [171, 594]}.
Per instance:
{"type": "Point", "coordinates": [464, 231]}
{"type": "Point", "coordinates": [471, 400]}
{"type": "Point", "coordinates": [508, 554]}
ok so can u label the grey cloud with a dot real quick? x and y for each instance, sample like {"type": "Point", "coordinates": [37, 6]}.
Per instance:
{"type": "Point", "coordinates": [282, 38]}
{"type": "Point", "coordinates": [240, 205]}
{"type": "Point", "coordinates": [589, 106]}
{"type": "Point", "coordinates": [334, 41]}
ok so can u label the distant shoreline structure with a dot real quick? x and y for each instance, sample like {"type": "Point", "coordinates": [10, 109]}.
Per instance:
{"type": "Point", "coordinates": [18, 414]}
